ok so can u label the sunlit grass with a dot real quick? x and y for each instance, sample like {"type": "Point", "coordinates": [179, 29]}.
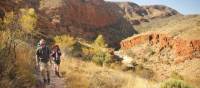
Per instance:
{"type": "Point", "coordinates": [81, 74]}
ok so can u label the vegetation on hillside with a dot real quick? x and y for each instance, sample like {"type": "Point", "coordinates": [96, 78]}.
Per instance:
{"type": "Point", "coordinates": [186, 27]}
{"type": "Point", "coordinates": [97, 52]}
{"type": "Point", "coordinates": [174, 83]}
{"type": "Point", "coordinates": [66, 43]}
{"type": "Point", "coordinates": [16, 52]}
{"type": "Point", "coordinates": [90, 69]}
{"type": "Point", "coordinates": [80, 74]}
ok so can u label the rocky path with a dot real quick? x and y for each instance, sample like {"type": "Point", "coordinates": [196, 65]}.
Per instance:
{"type": "Point", "coordinates": [56, 82]}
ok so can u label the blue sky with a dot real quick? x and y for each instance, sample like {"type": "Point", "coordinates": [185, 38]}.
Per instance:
{"type": "Point", "coordinates": [183, 6]}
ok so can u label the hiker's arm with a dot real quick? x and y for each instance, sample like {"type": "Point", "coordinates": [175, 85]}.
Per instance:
{"type": "Point", "coordinates": [37, 58]}
{"type": "Point", "coordinates": [50, 56]}
{"type": "Point", "coordinates": [37, 61]}
{"type": "Point", "coordinates": [52, 53]}
{"type": "Point", "coordinates": [51, 60]}
{"type": "Point", "coordinates": [59, 53]}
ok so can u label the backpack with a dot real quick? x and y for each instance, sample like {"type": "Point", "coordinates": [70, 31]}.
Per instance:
{"type": "Point", "coordinates": [43, 54]}
{"type": "Point", "coordinates": [58, 52]}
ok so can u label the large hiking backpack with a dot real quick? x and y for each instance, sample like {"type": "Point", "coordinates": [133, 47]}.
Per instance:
{"type": "Point", "coordinates": [43, 54]}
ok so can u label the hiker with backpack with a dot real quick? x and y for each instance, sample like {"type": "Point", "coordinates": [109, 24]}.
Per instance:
{"type": "Point", "coordinates": [43, 59]}
{"type": "Point", "coordinates": [56, 53]}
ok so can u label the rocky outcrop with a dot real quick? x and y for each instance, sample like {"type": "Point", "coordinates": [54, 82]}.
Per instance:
{"type": "Point", "coordinates": [184, 49]}
{"type": "Point", "coordinates": [89, 12]}
{"type": "Point", "coordinates": [85, 19]}
{"type": "Point", "coordinates": [159, 11]}
{"type": "Point", "coordinates": [139, 14]}
{"type": "Point", "coordinates": [79, 18]}
{"type": "Point", "coordinates": [89, 18]}
{"type": "Point", "coordinates": [164, 54]}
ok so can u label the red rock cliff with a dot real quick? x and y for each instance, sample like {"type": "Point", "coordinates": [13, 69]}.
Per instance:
{"type": "Point", "coordinates": [184, 49]}
{"type": "Point", "coordinates": [79, 18]}
{"type": "Point", "coordinates": [85, 19]}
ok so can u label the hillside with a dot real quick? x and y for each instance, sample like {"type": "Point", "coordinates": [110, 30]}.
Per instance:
{"type": "Point", "coordinates": [80, 74]}
{"type": "Point", "coordinates": [83, 19]}
{"type": "Point", "coordinates": [167, 45]}
{"type": "Point", "coordinates": [159, 46]}
{"type": "Point", "coordinates": [137, 14]}
{"type": "Point", "coordinates": [186, 27]}
{"type": "Point", "coordinates": [88, 18]}
{"type": "Point", "coordinates": [79, 18]}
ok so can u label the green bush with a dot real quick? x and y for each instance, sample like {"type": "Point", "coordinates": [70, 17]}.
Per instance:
{"type": "Point", "coordinates": [16, 54]}
{"type": "Point", "coordinates": [174, 83]}
{"type": "Point", "coordinates": [66, 43]}
{"type": "Point", "coordinates": [98, 52]}
{"type": "Point", "coordinates": [175, 75]}
{"type": "Point", "coordinates": [101, 58]}
{"type": "Point", "coordinates": [16, 62]}
{"type": "Point", "coordinates": [28, 20]}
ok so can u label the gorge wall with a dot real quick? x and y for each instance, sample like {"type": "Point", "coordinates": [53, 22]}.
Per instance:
{"type": "Point", "coordinates": [184, 49]}
{"type": "Point", "coordinates": [85, 19]}
{"type": "Point", "coordinates": [164, 54]}
{"type": "Point", "coordinates": [88, 18]}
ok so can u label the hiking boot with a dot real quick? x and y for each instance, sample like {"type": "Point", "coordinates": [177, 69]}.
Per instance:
{"type": "Point", "coordinates": [57, 73]}
{"type": "Point", "coordinates": [48, 81]}
{"type": "Point", "coordinates": [45, 81]}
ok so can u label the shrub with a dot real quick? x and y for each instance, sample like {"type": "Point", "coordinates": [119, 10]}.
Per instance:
{"type": "Point", "coordinates": [16, 63]}
{"type": "Point", "coordinates": [101, 58]}
{"type": "Point", "coordinates": [99, 42]}
{"type": "Point", "coordinates": [175, 75]}
{"type": "Point", "coordinates": [98, 52]}
{"type": "Point", "coordinates": [28, 19]}
{"type": "Point", "coordinates": [174, 83]}
{"type": "Point", "coordinates": [16, 54]}
{"type": "Point", "coordinates": [66, 43]}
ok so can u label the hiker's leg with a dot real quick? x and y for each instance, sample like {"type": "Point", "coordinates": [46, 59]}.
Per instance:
{"type": "Point", "coordinates": [48, 72]}
{"type": "Point", "coordinates": [58, 68]}
{"type": "Point", "coordinates": [42, 71]}
{"type": "Point", "coordinates": [55, 66]}
{"type": "Point", "coordinates": [56, 72]}
{"type": "Point", "coordinates": [48, 76]}
{"type": "Point", "coordinates": [58, 65]}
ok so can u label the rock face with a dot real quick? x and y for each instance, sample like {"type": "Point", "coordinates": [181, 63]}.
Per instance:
{"type": "Point", "coordinates": [89, 18]}
{"type": "Point", "coordinates": [79, 18]}
{"type": "Point", "coordinates": [183, 49]}
{"type": "Point", "coordinates": [164, 54]}
{"type": "Point", "coordinates": [89, 12]}
{"type": "Point", "coordinates": [155, 11]}
{"type": "Point", "coordinates": [139, 14]}
{"type": "Point", "coordinates": [85, 19]}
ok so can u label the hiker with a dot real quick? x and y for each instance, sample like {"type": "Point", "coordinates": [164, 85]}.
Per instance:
{"type": "Point", "coordinates": [56, 53]}
{"type": "Point", "coordinates": [2, 14]}
{"type": "Point", "coordinates": [42, 60]}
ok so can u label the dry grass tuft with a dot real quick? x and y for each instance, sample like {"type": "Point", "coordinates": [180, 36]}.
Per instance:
{"type": "Point", "coordinates": [81, 74]}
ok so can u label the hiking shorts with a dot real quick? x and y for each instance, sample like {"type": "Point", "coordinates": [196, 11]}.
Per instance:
{"type": "Point", "coordinates": [57, 62]}
{"type": "Point", "coordinates": [44, 67]}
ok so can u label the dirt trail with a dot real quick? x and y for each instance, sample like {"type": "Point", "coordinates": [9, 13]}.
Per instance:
{"type": "Point", "coordinates": [56, 82]}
